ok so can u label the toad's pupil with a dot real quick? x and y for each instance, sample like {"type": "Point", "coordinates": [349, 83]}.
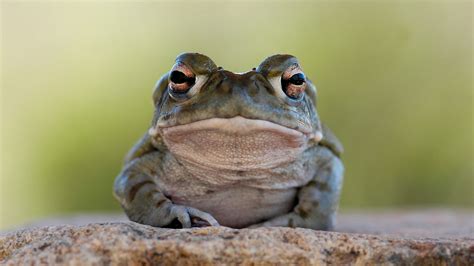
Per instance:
{"type": "Point", "coordinates": [179, 77]}
{"type": "Point", "coordinates": [297, 79]}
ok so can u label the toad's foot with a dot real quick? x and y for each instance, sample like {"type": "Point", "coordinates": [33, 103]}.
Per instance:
{"type": "Point", "coordinates": [189, 217]}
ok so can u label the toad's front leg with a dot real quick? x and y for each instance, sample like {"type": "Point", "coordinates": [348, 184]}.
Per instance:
{"type": "Point", "coordinates": [144, 203]}
{"type": "Point", "coordinates": [318, 200]}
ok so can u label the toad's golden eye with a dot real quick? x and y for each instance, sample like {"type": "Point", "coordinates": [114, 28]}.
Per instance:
{"type": "Point", "coordinates": [294, 86]}
{"type": "Point", "coordinates": [181, 79]}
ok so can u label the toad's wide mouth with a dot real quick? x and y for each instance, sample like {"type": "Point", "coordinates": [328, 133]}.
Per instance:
{"type": "Point", "coordinates": [234, 143]}
{"type": "Point", "coordinates": [235, 125]}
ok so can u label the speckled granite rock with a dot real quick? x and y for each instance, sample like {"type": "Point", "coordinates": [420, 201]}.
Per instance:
{"type": "Point", "coordinates": [128, 243]}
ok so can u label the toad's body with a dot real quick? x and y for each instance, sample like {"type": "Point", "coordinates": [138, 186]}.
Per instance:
{"type": "Point", "coordinates": [250, 174]}
{"type": "Point", "coordinates": [233, 149]}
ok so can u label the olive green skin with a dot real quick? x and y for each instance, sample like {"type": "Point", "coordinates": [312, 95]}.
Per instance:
{"type": "Point", "coordinates": [141, 186]}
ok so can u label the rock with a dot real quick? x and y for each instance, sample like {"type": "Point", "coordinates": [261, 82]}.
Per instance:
{"type": "Point", "coordinates": [128, 243]}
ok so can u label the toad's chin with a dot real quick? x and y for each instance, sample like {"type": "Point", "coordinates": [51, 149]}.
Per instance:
{"type": "Point", "coordinates": [234, 143]}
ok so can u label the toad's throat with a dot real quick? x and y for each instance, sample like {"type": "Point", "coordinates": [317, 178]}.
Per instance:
{"type": "Point", "coordinates": [234, 144]}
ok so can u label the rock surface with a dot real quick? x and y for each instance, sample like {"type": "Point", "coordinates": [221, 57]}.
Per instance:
{"type": "Point", "coordinates": [428, 238]}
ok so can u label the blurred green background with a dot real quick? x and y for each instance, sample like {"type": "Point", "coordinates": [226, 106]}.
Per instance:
{"type": "Point", "coordinates": [394, 80]}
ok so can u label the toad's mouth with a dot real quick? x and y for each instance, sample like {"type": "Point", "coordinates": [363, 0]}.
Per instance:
{"type": "Point", "coordinates": [234, 143]}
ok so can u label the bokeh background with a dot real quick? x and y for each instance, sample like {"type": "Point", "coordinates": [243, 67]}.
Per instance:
{"type": "Point", "coordinates": [394, 80]}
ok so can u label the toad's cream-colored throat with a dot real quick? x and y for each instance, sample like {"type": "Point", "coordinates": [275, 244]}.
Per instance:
{"type": "Point", "coordinates": [235, 143]}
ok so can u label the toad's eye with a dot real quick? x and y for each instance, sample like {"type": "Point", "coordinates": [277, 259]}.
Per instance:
{"type": "Point", "coordinates": [297, 79]}
{"type": "Point", "coordinates": [294, 85]}
{"type": "Point", "coordinates": [181, 79]}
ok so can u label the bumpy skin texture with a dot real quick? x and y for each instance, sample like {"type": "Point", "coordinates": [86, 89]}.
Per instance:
{"type": "Point", "coordinates": [234, 150]}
